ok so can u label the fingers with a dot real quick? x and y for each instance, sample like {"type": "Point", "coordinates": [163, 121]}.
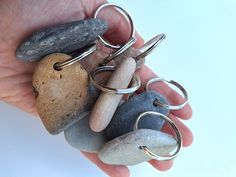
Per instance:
{"type": "Point", "coordinates": [110, 170]}
{"type": "Point", "coordinates": [172, 96]}
{"type": "Point", "coordinates": [187, 135]}
{"type": "Point", "coordinates": [162, 166]}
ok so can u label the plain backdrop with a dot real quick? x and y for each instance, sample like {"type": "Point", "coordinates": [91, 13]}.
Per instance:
{"type": "Point", "coordinates": [199, 53]}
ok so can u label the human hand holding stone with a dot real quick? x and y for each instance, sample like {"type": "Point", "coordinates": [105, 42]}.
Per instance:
{"type": "Point", "coordinates": [19, 19]}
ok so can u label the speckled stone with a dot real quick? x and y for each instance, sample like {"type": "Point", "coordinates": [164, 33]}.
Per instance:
{"type": "Point", "coordinates": [124, 150]}
{"type": "Point", "coordinates": [63, 38]}
{"type": "Point", "coordinates": [81, 137]}
{"type": "Point", "coordinates": [60, 95]}
{"type": "Point", "coordinates": [127, 113]}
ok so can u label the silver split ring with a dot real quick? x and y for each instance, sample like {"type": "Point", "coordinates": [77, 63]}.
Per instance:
{"type": "Point", "coordinates": [136, 82]}
{"type": "Point", "coordinates": [167, 106]}
{"type": "Point", "coordinates": [173, 126]}
{"type": "Point", "coordinates": [87, 51]}
{"type": "Point", "coordinates": [123, 12]}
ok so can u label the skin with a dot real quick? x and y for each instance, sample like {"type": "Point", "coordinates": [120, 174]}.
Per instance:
{"type": "Point", "coordinates": [18, 19]}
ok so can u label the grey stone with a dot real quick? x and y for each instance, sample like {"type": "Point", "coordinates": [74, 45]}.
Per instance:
{"type": "Point", "coordinates": [63, 38]}
{"type": "Point", "coordinates": [125, 150]}
{"type": "Point", "coordinates": [127, 113]}
{"type": "Point", "coordinates": [81, 137]}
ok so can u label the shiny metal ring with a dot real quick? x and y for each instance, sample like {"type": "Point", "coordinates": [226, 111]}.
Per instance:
{"type": "Point", "coordinates": [167, 106]}
{"type": "Point", "coordinates": [136, 82]}
{"type": "Point", "coordinates": [123, 12]}
{"type": "Point", "coordinates": [150, 46]}
{"type": "Point", "coordinates": [173, 126]}
{"type": "Point", "coordinates": [86, 52]}
{"type": "Point", "coordinates": [120, 51]}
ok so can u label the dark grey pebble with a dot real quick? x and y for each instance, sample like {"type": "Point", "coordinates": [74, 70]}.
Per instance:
{"type": "Point", "coordinates": [63, 38]}
{"type": "Point", "coordinates": [124, 150]}
{"type": "Point", "coordinates": [127, 113]}
{"type": "Point", "coordinates": [81, 137]}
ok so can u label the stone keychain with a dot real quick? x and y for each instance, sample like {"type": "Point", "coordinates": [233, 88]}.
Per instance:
{"type": "Point", "coordinates": [141, 145]}
{"type": "Point", "coordinates": [61, 92]}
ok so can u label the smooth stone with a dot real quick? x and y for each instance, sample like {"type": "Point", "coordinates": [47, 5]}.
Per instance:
{"type": "Point", "coordinates": [60, 95]}
{"type": "Point", "coordinates": [63, 38]}
{"type": "Point", "coordinates": [126, 114]}
{"type": "Point", "coordinates": [107, 103]}
{"type": "Point", "coordinates": [81, 137]}
{"type": "Point", "coordinates": [124, 150]}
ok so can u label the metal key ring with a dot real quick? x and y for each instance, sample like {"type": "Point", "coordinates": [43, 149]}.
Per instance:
{"type": "Point", "coordinates": [123, 12]}
{"type": "Point", "coordinates": [167, 106]}
{"type": "Point", "coordinates": [150, 46]}
{"type": "Point", "coordinates": [86, 52]}
{"type": "Point", "coordinates": [136, 82]}
{"type": "Point", "coordinates": [173, 126]}
{"type": "Point", "coordinates": [119, 51]}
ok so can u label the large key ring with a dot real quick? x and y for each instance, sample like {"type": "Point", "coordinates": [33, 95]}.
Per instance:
{"type": "Point", "coordinates": [150, 46]}
{"type": "Point", "coordinates": [172, 124]}
{"type": "Point", "coordinates": [167, 106]}
{"type": "Point", "coordinates": [86, 51]}
{"type": "Point", "coordinates": [123, 12]}
{"type": "Point", "coordinates": [136, 83]}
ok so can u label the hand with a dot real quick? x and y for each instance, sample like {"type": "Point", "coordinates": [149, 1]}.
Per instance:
{"type": "Point", "coordinates": [18, 19]}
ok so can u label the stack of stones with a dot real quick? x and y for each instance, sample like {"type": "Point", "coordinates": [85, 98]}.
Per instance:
{"type": "Point", "coordinates": [65, 98]}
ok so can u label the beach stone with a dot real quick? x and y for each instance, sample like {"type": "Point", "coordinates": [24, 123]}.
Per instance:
{"type": "Point", "coordinates": [81, 137]}
{"type": "Point", "coordinates": [124, 150]}
{"type": "Point", "coordinates": [126, 114]}
{"type": "Point", "coordinates": [63, 38]}
{"type": "Point", "coordinates": [60, 95]}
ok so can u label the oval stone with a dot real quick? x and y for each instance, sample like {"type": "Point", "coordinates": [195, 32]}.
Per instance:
{"type": "Point", "coordinates": [81, 137]}
{"type": "Point", "coordinates": [60, 95]}
{"type": "Point", "coordinates": [63, 38]}
{"type": "Point", "coordinates": [124, 150]}
{"type": "Point", "coordinates": [126, 114]}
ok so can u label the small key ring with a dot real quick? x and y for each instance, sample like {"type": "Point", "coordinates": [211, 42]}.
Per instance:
{"type": "Point", "coordinates": [123, 12]}
{"type": "Point", "coordinates": [150, 46]}
{"type": "Point", "coordinates": [86, 52]}
{"type": "Point", "coordinates": [119, 51]}
{"type": "Point", "coordinates": [136, 82]}
{"type": "Point", "coordinates": [168, 106]}
{"type": "Point", "coordinates": [174, 127]}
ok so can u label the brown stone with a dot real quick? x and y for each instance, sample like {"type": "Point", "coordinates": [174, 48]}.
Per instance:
{"type": "Point", "coordinates": [61, 95]}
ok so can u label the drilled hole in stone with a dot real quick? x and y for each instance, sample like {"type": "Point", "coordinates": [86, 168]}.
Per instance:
{"type": "Point", "coordinates": [55, 66]}
{"type": "Point", "coordinates": [156, 102]}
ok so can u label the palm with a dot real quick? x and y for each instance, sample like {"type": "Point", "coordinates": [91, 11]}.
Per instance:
{"type": "Point", "coordinates": [19, 19]}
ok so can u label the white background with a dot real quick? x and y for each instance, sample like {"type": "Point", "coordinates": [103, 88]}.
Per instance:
{"type": "Point", "coordinates": [199, 52]}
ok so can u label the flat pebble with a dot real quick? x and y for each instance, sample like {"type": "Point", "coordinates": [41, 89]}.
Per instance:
{"type": "Point", "coordinates": [60, 95]}
{"type": "Point", "coordinates": [126, 114]}
{"type": "Point", "coordinates": [81, 137]}
{"type": "Point", "coordinates": [63, 38]}
{"type": "Point", "coordinates": [124, 150]}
